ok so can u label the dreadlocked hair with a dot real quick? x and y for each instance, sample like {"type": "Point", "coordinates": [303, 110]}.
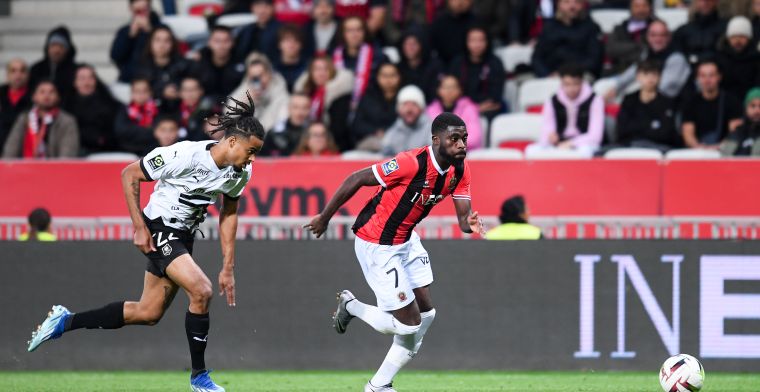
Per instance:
{"type": "Point", "coordinates": [239, 120]}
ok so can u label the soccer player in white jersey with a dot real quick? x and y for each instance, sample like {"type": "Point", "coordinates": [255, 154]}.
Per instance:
{"type": "Point", "coordinates": [190, 176]}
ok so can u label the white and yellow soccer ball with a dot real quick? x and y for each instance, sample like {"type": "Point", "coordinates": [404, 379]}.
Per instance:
{"type": "Point", "coordinates": [682, 373]}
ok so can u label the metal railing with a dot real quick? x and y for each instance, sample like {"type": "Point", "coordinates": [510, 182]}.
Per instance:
{"type": "Point", "coordinates": [291, 228]}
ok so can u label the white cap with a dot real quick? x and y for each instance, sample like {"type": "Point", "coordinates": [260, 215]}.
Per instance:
{"type": "Point", "coordinates": [739, 25]}
{"type": "Point", "coordinates": [411, 93]}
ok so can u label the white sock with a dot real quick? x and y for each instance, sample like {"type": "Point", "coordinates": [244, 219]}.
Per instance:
{"type": "Point", "coordinates": [381, 321]}
{"type": "Point", "coordinates": [403, 349]}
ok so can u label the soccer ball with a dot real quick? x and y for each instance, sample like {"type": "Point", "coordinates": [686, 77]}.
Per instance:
{"type": "Point", "coordinates": [682, 373]}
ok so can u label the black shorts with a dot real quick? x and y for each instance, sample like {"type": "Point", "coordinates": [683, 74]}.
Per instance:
{"type": "Point", "coordinates": [170, 243]}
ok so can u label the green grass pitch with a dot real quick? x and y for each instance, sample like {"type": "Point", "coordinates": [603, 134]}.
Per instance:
{"type": "Point", "coordinates": [417, 381]}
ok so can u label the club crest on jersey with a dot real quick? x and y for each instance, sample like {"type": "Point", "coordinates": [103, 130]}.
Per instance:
{"type": "Point", "coordinates": [156, 162]}
{"type": "Point", "coordinates": [453, 183]}
{"type": "Point", "coordinates": [166, 250]}
{"type": "Point", "coordinates": [401, 296]}
{"type": "Point", "coordinates": [390, 166]}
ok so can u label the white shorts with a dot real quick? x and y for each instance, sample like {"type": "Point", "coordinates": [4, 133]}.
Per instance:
{"type": "Point", "coordinates": [393, 271]}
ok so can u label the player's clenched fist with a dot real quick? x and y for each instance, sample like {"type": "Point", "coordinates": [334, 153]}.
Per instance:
{"type": "Point", "coordinates": [143, 240]}
{"type": "Point", "coordinates": [317, 226]}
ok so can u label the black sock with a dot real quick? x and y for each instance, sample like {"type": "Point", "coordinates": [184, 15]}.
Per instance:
{"type": "Point", "coordinates": [196, 326]}
{"type": "Point", "coordinates": [110, 316]}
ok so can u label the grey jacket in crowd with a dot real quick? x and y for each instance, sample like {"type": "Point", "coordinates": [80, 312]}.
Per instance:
{"type": "Point", "coordinates": [62, 140]}
{"type": "Point", "coordinates": [675, 74]}
{"type": "Point", "coordinates": [401, 137]}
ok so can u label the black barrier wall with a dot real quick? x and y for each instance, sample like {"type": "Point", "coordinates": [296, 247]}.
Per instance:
{"type": "Point", "coordinates": [501, 305]}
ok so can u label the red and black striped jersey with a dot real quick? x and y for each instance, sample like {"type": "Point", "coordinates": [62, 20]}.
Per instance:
{"type": "Point", "coordinates": [411, 184]}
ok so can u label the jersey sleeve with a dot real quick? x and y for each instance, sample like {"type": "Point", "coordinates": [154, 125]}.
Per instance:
{"type": "Point", "coordinates": [237, 190]}
{"type": "Point", "coordinates": [163, 162]}
{"type": "Point", "coordinates": [462, 190]}
{"type": "Point", "coordinates": [397, 170]}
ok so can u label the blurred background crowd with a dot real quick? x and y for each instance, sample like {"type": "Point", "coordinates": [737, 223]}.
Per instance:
{"type": "Point", "coordinates": [333, 77]}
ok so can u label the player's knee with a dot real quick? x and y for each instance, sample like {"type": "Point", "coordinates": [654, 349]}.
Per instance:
{"type": "Point", "coordinates": [201, 294]}
{"type": "Point", "coordinates": [401, 328]}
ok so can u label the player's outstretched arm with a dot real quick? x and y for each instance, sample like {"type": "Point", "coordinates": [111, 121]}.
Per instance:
{"type": "Point", "coordinates": [131, 177]}
{"type": "Point", "coordinates": [347, 189]}
{"type": "Point", "coordinates": [469, 221]}
{"type": "Point", "coordinates": [228, 222]}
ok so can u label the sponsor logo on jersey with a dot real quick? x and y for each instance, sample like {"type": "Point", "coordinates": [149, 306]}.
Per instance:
{"type": "Point", "coordinates": [156, 162]}
{"type": "Point", "coordinates": [202, 172]}
{"type": "Point", "coordinates": [166, 250]}
{"type": "Point", "coordinates": [390, 166]}
{"type": "Point", "coordinates": [232, 176]}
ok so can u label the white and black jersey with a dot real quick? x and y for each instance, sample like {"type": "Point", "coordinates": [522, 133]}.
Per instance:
{"type": "Point", "coordinates": [188, 182]}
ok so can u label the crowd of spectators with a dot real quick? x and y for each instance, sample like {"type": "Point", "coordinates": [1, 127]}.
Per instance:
{"type": "Point", "coordinates": [323, 82]}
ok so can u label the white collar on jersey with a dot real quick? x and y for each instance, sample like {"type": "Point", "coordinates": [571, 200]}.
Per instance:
{"type": "Point", "coordinates": [435, 163]}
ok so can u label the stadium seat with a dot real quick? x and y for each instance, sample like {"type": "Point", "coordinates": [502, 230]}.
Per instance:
{"type": "Point", "coordinates": [121, 91]}
{"type": "Point", "coordinates": [555, 154]}
{"type": "Point", "coordinates": [112, 157]}
{"type": "Point", "coordinates": [518, 128]}
{"type": "Point", "coordinates": [535, 92]}
{"type": "Point", "coordinates": [185, 26]}
{"type": "Point", "coordinates": [608, 19]}
{"type": "Point", "coordinates": [392, 53]}
{"type": "Point", "coordinates": [201, 7]}
{"type": "Point", "coordinates": [495, 154]}
{"type": "Point", "coordinates": [633, 153]}
{"type": "Point", "coordinates": [512, 56]}
{"type": "Point", "coordinates": [691, 154]}
{"type": "Point", "coordinates": [359, 155]}
{"type": "Point", "coordinates": [236, 20]}
{"type": "Point", "coordinates": [601, 86]}
{"type": "Point", "coordinates": [673, 17]}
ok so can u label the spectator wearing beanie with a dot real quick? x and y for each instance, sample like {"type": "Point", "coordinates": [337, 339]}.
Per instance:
{"type": "Point", "coordinates": [745, 140]}
{"type": "Point", "coordinates": [450, 99]}
{"type": "Point", "coordinates": [412, 127]}
{"type": "Point", "coordinates": [58, 65]}
{"type": "Point", "coordinates": [738, 58]}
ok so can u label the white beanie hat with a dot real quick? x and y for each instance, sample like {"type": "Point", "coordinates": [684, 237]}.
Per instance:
{"type": "Point", "coordinates": [410, 93]}
{"type": "Point", "coordinates": [739, 25]}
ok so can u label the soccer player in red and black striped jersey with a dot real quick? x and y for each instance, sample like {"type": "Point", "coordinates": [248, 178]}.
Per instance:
{"type": "Point", "coordinates": [393, 261]}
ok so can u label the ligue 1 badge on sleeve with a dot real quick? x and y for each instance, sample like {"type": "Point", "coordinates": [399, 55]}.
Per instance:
{"type": "Point", "coordinates": [156, 162]}
{"type": "Point", "coordinates": [390, 166]}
